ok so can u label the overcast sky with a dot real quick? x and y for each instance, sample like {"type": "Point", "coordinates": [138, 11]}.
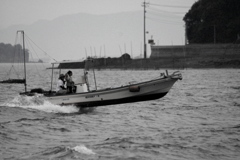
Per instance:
{"type": "Point", "coordinates": [14, 12]}
{"type": "Point", "coordinates": [166, 15]}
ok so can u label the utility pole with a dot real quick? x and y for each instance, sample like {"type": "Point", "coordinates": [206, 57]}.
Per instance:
{"type": "Point", "coordinates": [144, 29]}
{"type": "Point", "coordinates": [214, 34]}
{"type": "Point", "coordinates": [185, 27]}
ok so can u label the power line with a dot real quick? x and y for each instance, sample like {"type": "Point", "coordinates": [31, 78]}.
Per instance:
{"type": "Point", "coordinates": [159, 14]}
{"type": "Point", "coordinates": [166, 12]}
{"type": "Point", "coordinates": [165, 18]}
{"type": "Point", "coordinates": [164, 21]}
{"type": "Point", "coordinates": [169, 6]}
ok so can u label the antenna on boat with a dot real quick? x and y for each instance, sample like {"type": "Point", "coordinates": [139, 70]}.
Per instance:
{"type": "Point", "coordinates": [94, 75]}
{"type": "Point", "coordinates": [24, 60]}
{"type": "Point", "coordinates": [88, 64]}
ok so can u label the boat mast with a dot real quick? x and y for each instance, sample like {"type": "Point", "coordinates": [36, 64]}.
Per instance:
{"type": "Point", "coordinates": [24, 61]}
{"type": "Point", "coordinates": [52, 76]}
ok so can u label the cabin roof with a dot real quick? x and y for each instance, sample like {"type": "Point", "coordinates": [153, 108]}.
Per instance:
{"type": "Point", "coordinates": [70, 65]}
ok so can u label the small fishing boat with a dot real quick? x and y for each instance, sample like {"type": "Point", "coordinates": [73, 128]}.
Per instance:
{"type": "Point", "coordinates": [84, 97]}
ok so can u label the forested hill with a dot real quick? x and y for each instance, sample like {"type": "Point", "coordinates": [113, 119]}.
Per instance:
{"type": "Point", "coordinates": [10, 53]}
{"type": "Point", "coordinates": [213, 21]}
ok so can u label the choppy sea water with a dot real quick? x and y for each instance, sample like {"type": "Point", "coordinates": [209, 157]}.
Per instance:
{"type": "Point", "coordinates": [198, 119]}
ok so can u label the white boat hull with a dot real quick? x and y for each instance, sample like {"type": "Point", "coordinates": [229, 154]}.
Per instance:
{"type": "Point", "coordinates": [149, 90]}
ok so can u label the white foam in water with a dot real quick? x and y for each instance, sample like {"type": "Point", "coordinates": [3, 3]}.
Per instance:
{"type": "Point", "coordinates": [38, 102]}
{"type": "Point", "coordinates": [82, 149]}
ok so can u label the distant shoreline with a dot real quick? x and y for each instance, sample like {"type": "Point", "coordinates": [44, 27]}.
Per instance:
{"type": "Point", "coordinates": [170, 63]}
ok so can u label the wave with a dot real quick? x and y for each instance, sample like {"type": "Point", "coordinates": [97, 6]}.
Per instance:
{"type": "Point", "coordinates": [38, 102]}
{"type": "Point", "coordinates": [61, 152]}
{"type": "Point", "coordinates": [82, 149]}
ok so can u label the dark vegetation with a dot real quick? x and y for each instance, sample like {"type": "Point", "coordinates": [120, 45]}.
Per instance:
{"type": "Point", "coordinates": [9, 53]}
{"type": "Point", "coordinates": [213, 21]}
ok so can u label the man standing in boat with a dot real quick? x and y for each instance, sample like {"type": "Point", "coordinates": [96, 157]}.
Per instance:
{"type": "Point", "coordinates": [70, 83]}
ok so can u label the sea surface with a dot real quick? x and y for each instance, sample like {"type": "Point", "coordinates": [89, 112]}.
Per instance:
{"type": "Point", "coordinates": [199, 119]}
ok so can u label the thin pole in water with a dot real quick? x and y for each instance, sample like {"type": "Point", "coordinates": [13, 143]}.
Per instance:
{"type": "Point", "coordinates": [52, 77]}
{"type": "Point", "coordinates": [24, 61]}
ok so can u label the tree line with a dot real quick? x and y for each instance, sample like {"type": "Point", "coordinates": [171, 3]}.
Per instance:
{"type": "Point", "coordinates": [213, 21]}
{"type": "Point", "coordinates": [10, 53]}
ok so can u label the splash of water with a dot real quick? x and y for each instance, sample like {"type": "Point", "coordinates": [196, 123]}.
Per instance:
{"type": "Point", "coordinates": [82, 149]}
{"type": "Point", "coordinates": [38, 102]}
